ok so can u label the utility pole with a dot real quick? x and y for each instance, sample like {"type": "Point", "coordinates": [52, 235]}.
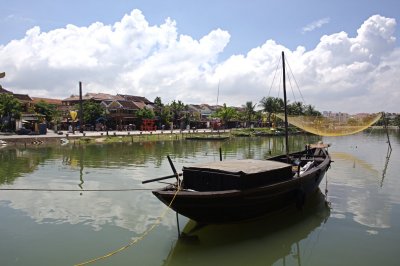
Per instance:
{"type": "Point", "coordinates": [80, 108]}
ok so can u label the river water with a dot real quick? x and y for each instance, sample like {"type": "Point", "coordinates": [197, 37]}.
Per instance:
{"type": "Point", "coordinates": [355, 223]}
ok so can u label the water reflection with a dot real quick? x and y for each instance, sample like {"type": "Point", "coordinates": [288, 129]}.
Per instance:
{"type": "Point", "coordinates": [277, 238]}
{"type": "Point", "coordinates": [105, 166]}
{"type": "Point", "coordinates": [355, 161]}
{"type": "Point", "coordinates": [15, 162]}
{"type": "Point", "coordinates": [363, 188]}
{"type": "Point", "coordinates": [357, 180]}
{"type": "Point", "coordinates": [388, 154]}
{"type": "Point", "coordinates": [95, 209]}
{"type": "Point", "coordinates": [125, 165]}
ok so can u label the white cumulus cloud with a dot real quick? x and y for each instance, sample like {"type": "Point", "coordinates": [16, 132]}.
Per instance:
{"type": "Point", "coordinates": [342, 73]}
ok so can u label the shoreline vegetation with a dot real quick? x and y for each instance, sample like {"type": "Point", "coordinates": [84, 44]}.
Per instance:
{"type": "Point", "coordinates": [93, 137]}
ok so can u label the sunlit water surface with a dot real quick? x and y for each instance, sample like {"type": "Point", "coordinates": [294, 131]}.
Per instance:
{"type": "Point", "coordinates": [359, 226]}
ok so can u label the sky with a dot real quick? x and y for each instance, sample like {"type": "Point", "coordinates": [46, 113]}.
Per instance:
{"type": "Point", "coordinates": [342, 56]}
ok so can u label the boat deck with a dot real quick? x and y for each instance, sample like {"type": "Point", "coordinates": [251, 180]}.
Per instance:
{"type": "Point", "coordinates": [235, 174]}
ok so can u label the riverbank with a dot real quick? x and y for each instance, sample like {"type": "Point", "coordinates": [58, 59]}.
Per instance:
{"type": "Point", "coordinates": [135, 136]}
{"type": "Point", "coordinates": [106, 136]}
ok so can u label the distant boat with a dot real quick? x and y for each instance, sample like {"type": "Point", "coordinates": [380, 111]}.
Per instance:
{"type": "Point", "coordinates": [64, 141]}
{"type": "Point", "coordinates": [236, 190]}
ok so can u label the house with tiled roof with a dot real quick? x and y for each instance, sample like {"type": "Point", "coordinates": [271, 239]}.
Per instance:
{"type": "Point", "coordinates": [97, 97]}
{"type": "Point", "coordinates": [120, 109]}
{"type": "Point", "coordinates": [122, 112]}
{"type": "Point", "coordinates": [24, 99]}
{"type": "Point", "coordinates": [28, 116]}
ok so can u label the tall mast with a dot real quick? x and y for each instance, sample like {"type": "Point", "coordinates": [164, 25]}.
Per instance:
{"type": "Point", "coordinates": [218, 92]}
{"type": "Point", "coordinates": [285, 105]}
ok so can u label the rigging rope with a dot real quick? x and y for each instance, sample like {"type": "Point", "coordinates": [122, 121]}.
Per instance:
{"type": "Point", "coordinates": [295, 81]}
{"type": "Point", "coordinates": [136, 240]}
{"type": "Point", "coordinates": [276, 70]}
{"type": "Point", "coordinates": [291, 87]}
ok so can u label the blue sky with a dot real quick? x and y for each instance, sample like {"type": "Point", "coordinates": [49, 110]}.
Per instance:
{"type": "Point", "coordinates": [250, 23]}
{"type": "Point", "coordinates": [245, 26]}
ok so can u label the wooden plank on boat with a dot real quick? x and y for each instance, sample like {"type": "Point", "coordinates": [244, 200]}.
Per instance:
{"type": "Point", "coordinates": [246, 166]}
{"type": "Point", "coordinates": [235, 174]}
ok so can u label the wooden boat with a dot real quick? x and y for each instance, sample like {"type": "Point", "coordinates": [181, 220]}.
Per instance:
{"type": "Point", "coordinates": [230, 191]}
{"type": "Point", "coordinates": [236, 190]}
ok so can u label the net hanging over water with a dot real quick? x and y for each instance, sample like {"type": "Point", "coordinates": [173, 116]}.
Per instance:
{"type": "Point", "coordinates": [333, 126]}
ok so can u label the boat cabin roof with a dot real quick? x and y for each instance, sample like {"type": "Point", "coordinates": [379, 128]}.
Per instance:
{"type": "Point", "coordinates": [247, 166]}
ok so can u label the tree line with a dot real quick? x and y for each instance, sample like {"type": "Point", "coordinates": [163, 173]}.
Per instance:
{"type": "Point", "coordinates": [175, 112]}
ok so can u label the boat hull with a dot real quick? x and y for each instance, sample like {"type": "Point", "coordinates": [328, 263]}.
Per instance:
{"type": "Point", "coordinates": [237, 205]}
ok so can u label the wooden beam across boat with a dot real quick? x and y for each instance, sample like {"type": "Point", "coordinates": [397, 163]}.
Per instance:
{"type": "Point", "coordinates": [161, 178]}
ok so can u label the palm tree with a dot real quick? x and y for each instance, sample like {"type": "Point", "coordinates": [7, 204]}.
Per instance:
{"type": "Point", "coordinates": [295, 108]}
{"type": "Point", "coordinates": [249, 110]}
{"type": "Point", "coordinates": [226, 114]}
{"type": "Point", "coordinates": [158, 108]}
{"type": "Point", "coordinates": [178, 111]}
{"type": "Point", "coordinates": [310, 110]}
{"type": "Point", "coordinates": [271, 105]}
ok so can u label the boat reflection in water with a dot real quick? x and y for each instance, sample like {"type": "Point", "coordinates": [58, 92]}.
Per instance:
{"type": "Point", "coordinates": [272, 239]}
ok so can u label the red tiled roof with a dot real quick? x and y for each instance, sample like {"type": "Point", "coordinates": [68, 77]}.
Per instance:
{"type": "Point", "coordinates": [129, 105]}
{"type": "Point", "coordinates": [23, 97]}
{"type": "Point", "coordinates": [140, 105]}
{"type": "Point", "coordinates": [135, 98]}
{"type": "Point", "coordinates": [47, 100]}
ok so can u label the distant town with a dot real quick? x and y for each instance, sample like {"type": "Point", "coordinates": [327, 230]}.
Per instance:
{"type": "Point", "coordinates": [103, 111]}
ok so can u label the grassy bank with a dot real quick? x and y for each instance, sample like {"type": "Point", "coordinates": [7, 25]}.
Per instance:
{"type": "Point", "coordinates": [79, 139]}
{"type": "Point", "coordinates": [250, 132]}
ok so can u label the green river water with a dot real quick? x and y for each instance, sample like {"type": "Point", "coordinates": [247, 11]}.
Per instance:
{"type": "Point", "coordinates": [359, 225]}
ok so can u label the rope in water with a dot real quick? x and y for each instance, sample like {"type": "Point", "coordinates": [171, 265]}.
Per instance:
{"type": "Point", "coordinates": [136, 240]}
{"type": "Point", "coordinates": [74, 190]}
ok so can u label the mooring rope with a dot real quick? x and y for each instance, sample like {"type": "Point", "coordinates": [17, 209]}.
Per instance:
{"type": "Point", "coordinates": [136, 240]}
{"type": "Point", "coordinates": [75, 190]}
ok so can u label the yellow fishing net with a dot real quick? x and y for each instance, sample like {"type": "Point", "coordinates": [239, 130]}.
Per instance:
{"type": "Point", "coordinates": [338, 125]}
